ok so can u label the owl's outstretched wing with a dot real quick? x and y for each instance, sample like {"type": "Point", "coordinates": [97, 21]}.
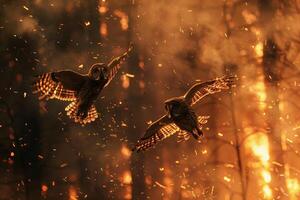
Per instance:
{"type": "Point", "coordinates": [157, 131]}
{"type": "Point", "coordinates": [115, 65]}
{"type": "Point", "coordinates": [200, 90]}
{"type": "Point", "coordinates": [61, 85]}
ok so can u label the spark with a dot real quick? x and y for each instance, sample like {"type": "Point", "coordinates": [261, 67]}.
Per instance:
{"type": "Point", "coordinates": [227, 179]}
{"type": "Point", "coordinates": [80, 66]}
{"type": "Point", "coordinates": [25, 7]}
{"type": "Point", "coordinates": [160, 185]}
{"type": "Point", "coordinates": [129, 75]}
{"type": "Point", "coordinates": [204, 151]}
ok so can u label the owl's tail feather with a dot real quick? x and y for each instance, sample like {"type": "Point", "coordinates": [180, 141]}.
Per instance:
{"type": "Point", "coordinates": [72, 112]}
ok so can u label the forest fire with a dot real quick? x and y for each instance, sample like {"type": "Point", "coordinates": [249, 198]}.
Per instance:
{"type": "Point", "coordinates": [249, 149]}
{"type": "Point", "coordinates": [258, 144]}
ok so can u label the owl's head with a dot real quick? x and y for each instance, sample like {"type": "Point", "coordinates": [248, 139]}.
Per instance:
{"type": "Point", "coordinates": [173, 106]}
{"type": "Point", "coordinates": [98, 71]}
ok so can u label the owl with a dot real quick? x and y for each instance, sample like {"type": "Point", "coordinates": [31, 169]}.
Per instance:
{"type": "Point", "coordinates": [180, 117]}
{"type": "Point", "coordinates": [81, 90]}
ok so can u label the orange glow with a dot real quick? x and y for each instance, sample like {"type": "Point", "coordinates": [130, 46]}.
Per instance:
{"type": "Point", "coordinates": [44, 188]}
{"type": "Point", "coordinates": [123, 19]}
{"type": "Point", "coordinates": [294, 188]}
{"type": "Point", "coordinates": [127, 179]}
{"type": "Point", "coordinates": [227, 179]}
{"type": "Point", "coordinates": [72, 193]}
{"type": "Point", "coordinates": [103, 29]}
{"type": "Point", "coordinates": [102, 9]}
{"type": "Point", "coordinates": [257, 144]}
{"type": "Point", "coordinates": [259, 90]}
{"type": "Point", "coordinates": [259, 49]}
{"type": "Point", "coordinates": [249, 17]}
{"type": "Point", "coordinates": [125, 151]}
{"type": "Point", "coordinates": [125, 81]}
{"type": "Point", "coordinates": [267, 192]}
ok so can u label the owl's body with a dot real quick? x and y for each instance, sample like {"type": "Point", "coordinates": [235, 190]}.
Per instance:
{"type": "Point", "coordinates": [180, 117]}
{"type": "Point", "coordinates": [183, 116]}
{"type": "Point", "coordinates": [81, 90]}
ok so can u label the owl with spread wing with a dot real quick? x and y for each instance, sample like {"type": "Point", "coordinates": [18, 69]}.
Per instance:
{"type": "Point", "coordinates": [180, 117]}
{"type": "Point", "coordinates": [80, 90]}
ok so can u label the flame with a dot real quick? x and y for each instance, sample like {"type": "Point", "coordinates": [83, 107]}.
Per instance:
{"type": "Point", "coordinates": [72, 193]}
{"type": "Point", "coordinates": [259, 90]}
{"type": "Point", "coordinates": [257, 144]}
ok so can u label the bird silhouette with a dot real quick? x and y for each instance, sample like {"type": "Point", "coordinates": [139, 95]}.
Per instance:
{"type": "Point", "coordinates": [180, 117]}
{"type": "Point", "coordinates": [81, 90]}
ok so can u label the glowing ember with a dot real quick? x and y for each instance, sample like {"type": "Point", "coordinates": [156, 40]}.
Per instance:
{"type": "Point", "coordinates": [44, 188]}
{"type": "Point", "coordinates": [72, 193]}
{"type": "Point", "coordinates": [227, 179]}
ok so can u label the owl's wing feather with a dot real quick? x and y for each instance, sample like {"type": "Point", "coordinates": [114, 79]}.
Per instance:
{"type": "Point", "coordinates": [200, 90]}
{"type": "Point", "coordinates": [115, 65]}
{"type": "Point", "coordinates": [72, 109]}
{"type": "Point", "coordinates": [58, 85]}
{"type": "Point", "coordinates": [157, 131]}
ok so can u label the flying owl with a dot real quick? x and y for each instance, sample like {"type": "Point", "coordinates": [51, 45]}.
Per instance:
{"type": "Point", "coordinates": [80, 90]}
{"type": "Point", "coordinates": [180, 117]}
